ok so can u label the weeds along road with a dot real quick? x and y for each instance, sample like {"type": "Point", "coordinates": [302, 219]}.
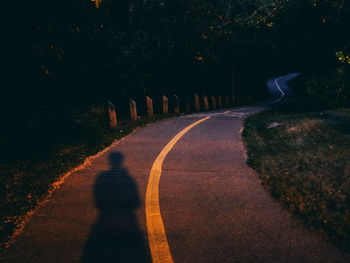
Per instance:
{"type": "Point", "coordinates": [179, 188]}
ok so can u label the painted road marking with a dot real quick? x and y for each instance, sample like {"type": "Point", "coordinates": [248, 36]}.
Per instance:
{"type": "Point", "coordinates": [158, 242]}
{"type": "Point", "coordinates": [279, 88]}
{"type": "Point", "coordinates": [231, 113]}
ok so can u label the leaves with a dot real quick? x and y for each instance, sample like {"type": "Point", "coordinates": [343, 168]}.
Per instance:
{"type": "Point", "coordinates": [342, 57]}
{"type": "Point", "coordinates": [98, 3]}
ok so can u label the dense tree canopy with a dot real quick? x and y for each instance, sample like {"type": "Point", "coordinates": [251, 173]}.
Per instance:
{"type": "Point", "coordinates": [135, 46]}
{"type": "Point", "coordinates": [58, 56]}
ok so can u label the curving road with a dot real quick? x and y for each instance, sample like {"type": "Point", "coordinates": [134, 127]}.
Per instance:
{"type": "Point", "coordinates": [278, 86]}
{"type": "Point", "coordinates": [175, 191]}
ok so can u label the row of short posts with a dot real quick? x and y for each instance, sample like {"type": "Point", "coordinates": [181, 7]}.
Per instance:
{"type": "Point", "coordinates": [213, 102]}
{"type": "Point", "coordinates": [216, 104]}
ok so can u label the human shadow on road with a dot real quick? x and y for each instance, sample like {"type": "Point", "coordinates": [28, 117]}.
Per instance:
{"type": "Point", "coordinates": [116, 236]}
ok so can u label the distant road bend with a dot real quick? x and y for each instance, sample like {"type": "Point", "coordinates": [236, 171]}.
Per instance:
{"type": "Point", "coordinates": [175, 191]}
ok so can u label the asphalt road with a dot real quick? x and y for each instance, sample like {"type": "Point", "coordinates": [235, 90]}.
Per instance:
{"type": "Point", "coordinates": [212, 206]}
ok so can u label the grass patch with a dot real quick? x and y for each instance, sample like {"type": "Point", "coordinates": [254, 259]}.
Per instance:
{"type": "Point", "coordinates": [304, 161]}
{"type": "Point", "coordinates": [27, 178]}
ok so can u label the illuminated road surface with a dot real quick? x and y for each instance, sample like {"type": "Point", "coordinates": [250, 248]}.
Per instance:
{"type": "Point", "coordinates": [206, 204]}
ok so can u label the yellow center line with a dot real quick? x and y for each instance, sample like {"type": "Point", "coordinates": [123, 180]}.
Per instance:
{"type": "Point", "coordinates": [155, 228]}
{"type": "Point", "coordinates": [227, 111]}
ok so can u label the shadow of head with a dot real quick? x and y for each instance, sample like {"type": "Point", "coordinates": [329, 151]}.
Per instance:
{"type": "Point", "coordinates": [116, 160]}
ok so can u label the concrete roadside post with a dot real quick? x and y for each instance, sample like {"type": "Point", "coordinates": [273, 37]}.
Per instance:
{"type": "Point", "coordinates": [187, 106]}
{"type": "Point", "coordinates": [220, 102]}
{"type": "Point", "coordinates": [213, 102]}
{"type": "Point", "coordinates": [205, 102]}
{"type": "Point", "coordinates": [196, 103]}
{"type": "Point", "coordinates": [177, 105]}
{"type": "Point", "coordinates": [165, 105]}
{"type": "Point", "coordinates": [133, 110]}
{"type": "Point", "coordinates": [227, 101]}
{"type": "Point", "coordinates": [237, 97]}
{"type": "Point", "coordinates": [149, 106]}
{"type": "Point", "coordinates": [112, 115]}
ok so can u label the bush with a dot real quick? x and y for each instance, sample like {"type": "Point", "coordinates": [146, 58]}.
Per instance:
{"type": "Point", "coordinates": [324, 91]}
